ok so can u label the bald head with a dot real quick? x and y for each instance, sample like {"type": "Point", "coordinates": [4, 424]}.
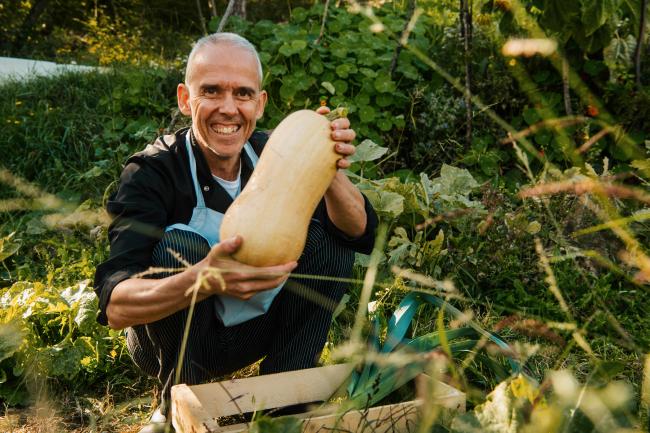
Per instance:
{"type": "Point", "coordinates": [223, 38]}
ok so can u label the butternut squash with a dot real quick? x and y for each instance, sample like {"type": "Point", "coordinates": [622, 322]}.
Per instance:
{"type": "Point", "coordinates": [273, 212]}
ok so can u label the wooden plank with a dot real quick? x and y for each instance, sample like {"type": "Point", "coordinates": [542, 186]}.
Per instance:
{"type": "Point", "coordinates": [188, 414]}
{"type": "Point", "coordinates": [394, 418]}
{"type": "Point", "coordinates": [271, 391]}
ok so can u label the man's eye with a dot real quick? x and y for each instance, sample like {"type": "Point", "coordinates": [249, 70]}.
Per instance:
{"type": "Point", "coordinates": [243, 94]}
{"type": "Point", "coordinates": [210, 91]}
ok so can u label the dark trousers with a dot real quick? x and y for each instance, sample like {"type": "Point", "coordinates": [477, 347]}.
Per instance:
{"type": "Point", "coordinates": [289, 336]}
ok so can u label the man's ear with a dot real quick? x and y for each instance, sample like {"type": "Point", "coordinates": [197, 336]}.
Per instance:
{"type": "Point", "coordinates": [183, 96]}
{"type": "Point", "coordinates": [261, 105]}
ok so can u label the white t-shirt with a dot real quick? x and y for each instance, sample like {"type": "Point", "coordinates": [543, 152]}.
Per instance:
{"type": "Point", "coordinates": [233, 187]}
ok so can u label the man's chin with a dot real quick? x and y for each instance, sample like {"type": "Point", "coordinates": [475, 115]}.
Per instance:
{"type": "Point", "coordinates": [226, 150]}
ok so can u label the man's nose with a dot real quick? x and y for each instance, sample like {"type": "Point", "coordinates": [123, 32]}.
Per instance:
{"type": "Point", "coordinates": [228, 104]}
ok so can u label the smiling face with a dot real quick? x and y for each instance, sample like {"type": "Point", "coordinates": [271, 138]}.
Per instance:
{"type": "Point", "coordinates": [222, 95]}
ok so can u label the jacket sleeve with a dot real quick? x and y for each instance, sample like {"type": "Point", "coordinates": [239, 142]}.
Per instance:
{"type": "Point", "coordinates": [138, 209]}
{"type": "Point", "coordinates": [364, 243]}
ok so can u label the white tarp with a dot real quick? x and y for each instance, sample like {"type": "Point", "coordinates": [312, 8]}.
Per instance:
{"type": "Point", "coordinates": [25, 68]}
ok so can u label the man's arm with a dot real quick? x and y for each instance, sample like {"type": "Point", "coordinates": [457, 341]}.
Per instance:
{"type": "Point", "coordinates": [137, 301]}
{"type": "Point", "coordinates": [344, 202]}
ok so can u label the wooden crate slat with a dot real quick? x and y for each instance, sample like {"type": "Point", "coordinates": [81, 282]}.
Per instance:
{"type": "Point", "coordinates": [272, 390]}
{"type": "Point", "coordinates": [188, 414]}
{"type": "Point", "coordinates": [398, 418]}
{"type": "Point", "coordinates": [195, 409]}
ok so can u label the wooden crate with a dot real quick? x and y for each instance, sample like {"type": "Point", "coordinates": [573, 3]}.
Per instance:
{"type": "Point", "coordinates": [198, 408]}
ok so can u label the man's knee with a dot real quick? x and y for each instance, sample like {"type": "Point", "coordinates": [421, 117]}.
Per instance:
{"type": "Point", "coordinates": [324, 255]}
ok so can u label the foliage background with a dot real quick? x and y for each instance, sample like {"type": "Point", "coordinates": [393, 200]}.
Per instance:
{"type": "Point", "coordinates": [452, 208]}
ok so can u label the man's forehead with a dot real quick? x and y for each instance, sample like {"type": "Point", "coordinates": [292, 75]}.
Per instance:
{"type": "Point", "coordinates": [225, 53]}
{"type": "Point", "coordinates": [215, 59]}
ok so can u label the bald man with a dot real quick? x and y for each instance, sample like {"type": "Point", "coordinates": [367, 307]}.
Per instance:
{"type": "Point", "coordinates": [170, 202]}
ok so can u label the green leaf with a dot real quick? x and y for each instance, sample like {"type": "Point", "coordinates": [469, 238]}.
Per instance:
{"type": "Point", "coordinates": [340, 86]}
{"type": "Point", "coordinates": [8, 247]}
{"type": "Point", "coordinates": [385, 124]}
{"type": "Point", "coordinates": [11, 338]}
{"type": "Point", "coordinates": [287, 90]}
{"type": "Point", "coordinates": [328, 86]}
{"type": "Point", "coordinates": [400, 321]}
{"type": "Point", "coordinates": [384, 84]}
{"type": "Point", "coordinates": [531, 116]}
{"type": "Point", "coordinates": [367, 113]}
{"type": "Point", "coordinates": [559, 13]}
{"type": "Point", "coordinates": [370, 73]}
{"type": "Point", "coordinates": [384, 99]}
{"type": "Point", "coordinates": [387, 203]}
{"type": "Point", "coordinates": [595, 14]}
{"type": "Point", "coordinates": [368, 150]}
{"type": "Point", "coordinates": [453, 180]}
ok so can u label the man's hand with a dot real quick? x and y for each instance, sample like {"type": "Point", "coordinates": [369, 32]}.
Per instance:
{"type": "Point", "coordinates": [241, 281]}
{"type": "Point", "coordinates": [343, 136]}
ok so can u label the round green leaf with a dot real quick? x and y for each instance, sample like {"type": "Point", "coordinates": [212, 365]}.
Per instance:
{"type": "Point", "coordinates": [384, 84]}
{"type": "Point", "coordinates": [384, 99]}
{"type": "Point", "coordinates": [328, 86]}
{"type": "Point", "coordinates": [367, 113]}
{"type": "Point", "coordinates": [385, 124]}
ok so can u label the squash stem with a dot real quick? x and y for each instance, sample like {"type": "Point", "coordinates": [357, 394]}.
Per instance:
{"type": "Point", "coordinates": [339, 112]}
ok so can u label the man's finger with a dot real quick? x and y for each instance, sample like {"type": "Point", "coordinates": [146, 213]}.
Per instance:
{"type": "Point", "coordinates": [323, 109]}
{"type": "Point", "coordinates": [344, 149]}
{"type": "Point", "coordinates": [345, 135]}
{"type": "Point", "coordinates": [340, 123]}
{"type": "Point", "coordinates": [246, 273]}
{"type": "Point", "coordinates": [226, 247]}
{"type": "Point", "coordinates": [245, 290]}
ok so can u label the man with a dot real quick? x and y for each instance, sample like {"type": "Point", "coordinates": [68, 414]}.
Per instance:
{"type": "Point", "coordinates": [168, 209]}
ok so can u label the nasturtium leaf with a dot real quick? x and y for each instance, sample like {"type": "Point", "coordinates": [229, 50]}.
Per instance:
{"type": "Point", "coordinates": [298, 14]}
{"type": "Point", "coordinates": [384, 99]}
{"type": "Point", "coordinates": [367, 113]}
{"type": "Point", "coordinates": [385, 124]}
{"type": "Point", "coordinates": [362, 99]}
{"type": "Point", "coordinates": [288, 90]}
{"type": "Point", "coordinates": [286, 50]}
{"type": "Point", "coordinates": [384, 84]}
{"type": "Point", "coordinates": [345, 70]}
{"type": "Point", "coordinates": [339, 52]}
{"type": "Point", "coordinates": [399, 121]}
{"type": "Point", "coordinates": [370, 73]}
{"type": "Point", "coordinates": [328, 86]}
{"type": "Point", "coordinates": [340, 86]}
{"type": "Point", "coordinates": [368, 150]}
{"type": "Point", "coordinates": [278, 69]}
{"type": "Point", "coordinates": [316, 66]}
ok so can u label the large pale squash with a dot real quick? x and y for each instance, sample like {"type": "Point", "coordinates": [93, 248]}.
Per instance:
{"type": "Point", "coordinates": [273, 212]}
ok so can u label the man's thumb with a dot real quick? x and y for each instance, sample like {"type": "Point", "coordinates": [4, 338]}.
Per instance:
{"type": "Point", "coordinates": [227, 246]}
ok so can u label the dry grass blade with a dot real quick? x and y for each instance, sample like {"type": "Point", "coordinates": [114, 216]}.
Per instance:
{"type": "Point", "coordinates": [586, 186]}
{"type": "Point", "coordinates": [558, 123]}
{"type": "Point", "coordinates": [600, 134]}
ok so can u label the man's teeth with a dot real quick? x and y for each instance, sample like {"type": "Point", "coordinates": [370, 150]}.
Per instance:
{"type": "Point", "coordinates": [227, 129]}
